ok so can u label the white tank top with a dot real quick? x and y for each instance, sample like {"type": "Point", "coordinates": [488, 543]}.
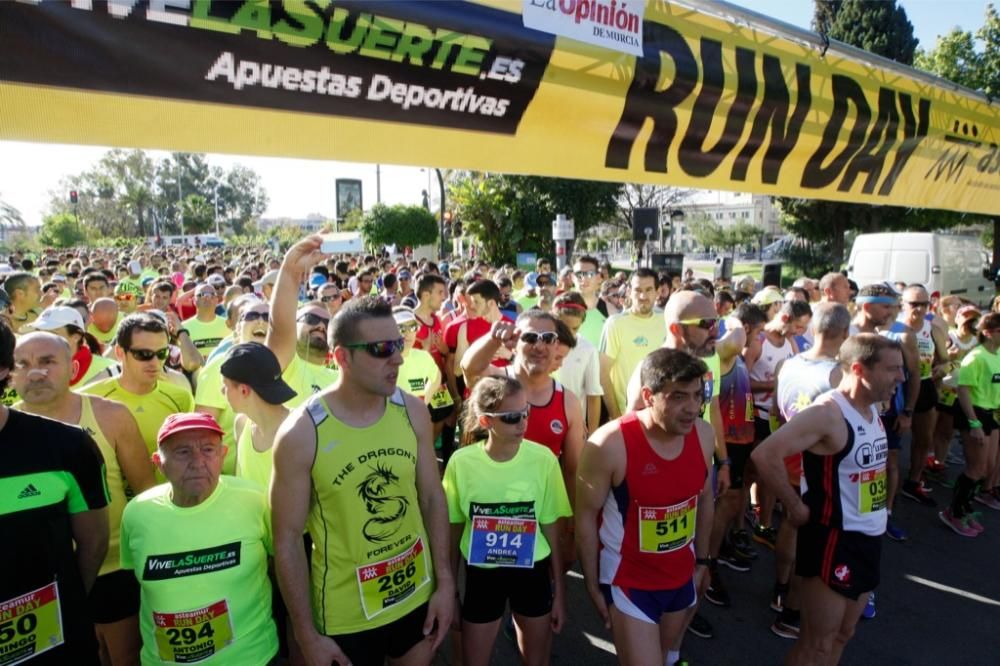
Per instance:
{"type": "Point", "coordinates": [763, 370]}
{"type": "Point", "coordinates": [800, 382]}
{"type": "Point", "coordinates": [848, 490]}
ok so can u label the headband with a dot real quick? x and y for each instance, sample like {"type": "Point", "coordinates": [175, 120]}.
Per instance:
{"type": "Point", "coordinates": [571, 306]}
{"type": "Point", "coordinates": [883, 300]}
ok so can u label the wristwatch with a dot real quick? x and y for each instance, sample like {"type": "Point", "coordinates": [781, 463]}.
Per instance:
{"type": "Point", "coordinates": [907, 413]}
{"type": "Point", "coordinates": [726, 461]}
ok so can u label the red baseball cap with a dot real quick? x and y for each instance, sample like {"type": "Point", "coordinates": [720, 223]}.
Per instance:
{"type": "Point", "coordinates": [184, 421]}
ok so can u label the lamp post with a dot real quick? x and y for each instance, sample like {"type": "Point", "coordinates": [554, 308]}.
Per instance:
{"type": "Point", "coordinates": [676, 216]}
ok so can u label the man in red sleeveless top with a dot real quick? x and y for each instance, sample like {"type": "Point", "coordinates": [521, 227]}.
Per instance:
{"type": "Point", "coordinates": [644, 511]}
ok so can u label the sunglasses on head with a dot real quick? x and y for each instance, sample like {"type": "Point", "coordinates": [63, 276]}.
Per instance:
{"type": "Point", "coordinates": [708, 323]}
{"type": "Point", "coordinates": [254, 315]}
{"type": "Point", "coordinates": [532, 338]}
{"type": "Point", "coordinates": [510, 418]}
{"type": "Point", "coordinates": [311, 319]}
{"type": "Point", "coordinates": [380, 349]}
{"type": "Point", "coordinates": [149, 354]}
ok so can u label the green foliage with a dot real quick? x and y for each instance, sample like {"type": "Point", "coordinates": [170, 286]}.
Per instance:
{"type": "Point", "coordinates": [402, 226]}
{"type": "Point", "coordinates": [711, 234]}
{"type": "Point", "coordinates": [971, 60]}
{"type": "Point", "coordinates": [811, 259]}
{"type": "Point", "coordinates": [352, 221]}
{"type": "Point", "coordinates": [509, 214]}
{"type": "Point", "coordinates": [130, 194]}
{"type": "Point", "coordinates": [877, 26]}
{"type": "Point", "coordinates": [10, 216]}
{"type": "Point", "coordinates": [61, 231]}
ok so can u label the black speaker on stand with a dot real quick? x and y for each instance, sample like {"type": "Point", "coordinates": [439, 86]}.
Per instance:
{"type": "Point", "coordinates": [645, 229]}
{"type": "Point", "coordinates": [723, 268]}
{"type": "Point", "coordinates": [771, 274]}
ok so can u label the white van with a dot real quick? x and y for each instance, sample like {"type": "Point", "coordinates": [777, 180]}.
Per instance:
{"type": "Point", "coordinates": [949, 264]}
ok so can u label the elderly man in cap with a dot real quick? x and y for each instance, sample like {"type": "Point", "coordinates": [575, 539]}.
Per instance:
{"type": "Point", "coordinates": [198, 545]}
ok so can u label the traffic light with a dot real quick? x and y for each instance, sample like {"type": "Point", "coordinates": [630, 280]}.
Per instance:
{"type": "Point", "coordinates": [73, 197]}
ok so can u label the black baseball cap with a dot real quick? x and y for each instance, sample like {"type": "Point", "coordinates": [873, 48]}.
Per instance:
{"type": "Point", "coordinates": [255, 365]}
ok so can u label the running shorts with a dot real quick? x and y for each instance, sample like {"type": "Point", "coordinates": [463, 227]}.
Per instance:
{"type": "Point", "coordinates": [847, 562]}
{"type": "Point", "coordinates": [487, 591]}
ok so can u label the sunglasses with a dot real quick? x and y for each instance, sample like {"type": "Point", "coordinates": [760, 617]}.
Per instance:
{"type": "Point", "coordinates": [531, 338]}
{"type": "Point", "coordinates": [380, 349]}
{"type": "Point", "coordinates": [206, 295]}
{"type": "Point", "coordinates": [583, 275]}
{"type": "Point", "coordinates": [409, 328]}
{"type": "Point", "coordinates": [918, 304]}
{"type": "Point", "coordinates": [124, 297]}
{"type": "Point", "coordinates": [327, 299]}
{"type": "Point", "coordinates": [145, 355]}
{"type": "Point", "coordinates": [510, 418]}
{"type": "Point", "coordinates": [311, 319]}
{"type": "Point", "coordinates": [707, 323]}
{"type": "Point", "coordinates": [255, 316]}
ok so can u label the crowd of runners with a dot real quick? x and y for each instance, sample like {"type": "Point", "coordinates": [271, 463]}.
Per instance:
{"type": "Point", "coordinates": [225, 456]}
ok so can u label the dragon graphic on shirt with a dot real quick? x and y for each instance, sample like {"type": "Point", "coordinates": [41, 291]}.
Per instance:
{"type": "Point", "coordinates": [387, 510]}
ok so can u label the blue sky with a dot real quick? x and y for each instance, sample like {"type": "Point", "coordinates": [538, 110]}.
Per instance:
{"type": "Point", "coordinates": [300, 187]}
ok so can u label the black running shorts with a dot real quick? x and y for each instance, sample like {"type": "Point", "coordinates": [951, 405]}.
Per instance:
{"type": "Point", "coordinates": [487, 592]}
{"type": "Point", "coordinates": [114, 597]}
{"type": "Point", "coordinates": [393, 640]}
{"type": "Point", "coordinates": [847, 562]}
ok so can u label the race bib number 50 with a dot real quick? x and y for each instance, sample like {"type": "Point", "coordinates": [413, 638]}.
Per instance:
{"type": "Point", "coordinates": [385, 584]}
{"type": "Point", "coordinates": [30, 625]}
{"type": "Point", "coordinates": [191, 636]}
{"type": "Point", "coordinates": [663, 529]}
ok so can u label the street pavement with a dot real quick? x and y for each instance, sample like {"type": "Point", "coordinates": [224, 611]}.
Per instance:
{"type": "Point", "coordinates": [938, 603]}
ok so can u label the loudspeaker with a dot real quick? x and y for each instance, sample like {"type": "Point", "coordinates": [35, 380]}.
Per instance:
{"type": "Point", "coordinates": [669, 262]}
{"type": "Point", "coordinates": [771, 274]}
{"type": "Point", "coordinates": [724, 268]}
{"type": "Point", "coordinates": [645, 221]}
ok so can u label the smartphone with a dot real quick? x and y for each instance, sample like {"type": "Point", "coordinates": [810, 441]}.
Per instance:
{"type": "Point", "coordinates": [344, 242]}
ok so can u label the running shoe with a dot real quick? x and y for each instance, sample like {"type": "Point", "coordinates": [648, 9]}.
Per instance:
{"type": "Point", "coordinates": [916, 492]}
{"type": "Point", "coordinates": [700, 627]}
{"type": "Point", "coordinates": [936, 466]}
{"type": "Point", "coordinates": [869, 611]}
{"type": "Point", "coordinates": [989, 499]}
{"type": "Point", "coordinates": [786, 625]}
{"type": "Point", "coordinates": [924, 487]}
{"type": "Point", "coordinates": [716, 592]}
{"type": "Point", "coordinates": [743, 544]}
{"type": "Point", "coordinates": [752, 515]}
{"type": "Point", "coordinates": [765, 536]}
{"type": "Point", "coordinates": [972, 522]}
{"type": "Point", "coordinates": [730, 558]}
{"type": "Point", "coordinates": [895, 532]}
{"type": "Point", "coordinates": [957, 525]}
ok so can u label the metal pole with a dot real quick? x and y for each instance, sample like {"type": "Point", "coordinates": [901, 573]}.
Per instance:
{"type": "Point", "coordinates": [378, 183]}
{"type": "Point", "coordinates": [217, 209]}
{"type": "Point", "coordinates": [441, 220]}
{"type": "Point", "coordinates": [180, 199]}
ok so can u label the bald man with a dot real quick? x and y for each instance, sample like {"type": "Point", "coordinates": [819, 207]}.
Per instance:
{"type": "Point", "coordinates": [43, 366]}
{"type": "Point", "coordinates": [104, 318]}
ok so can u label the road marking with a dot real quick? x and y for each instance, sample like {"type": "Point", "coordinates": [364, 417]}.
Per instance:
{"type": "Point", "coordinates": [600, 643]}
{"type": "Point", "coordinates": [953, 590]}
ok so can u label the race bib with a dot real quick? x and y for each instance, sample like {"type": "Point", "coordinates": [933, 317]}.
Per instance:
{"type": "Point", "coordinates": [442, 398]}
{"type": "Point", "coordinates": [503, 534]}
{"type": "Point", "coordinates": [192, 636]}
{"type": "Point", "coordinates": [872, 490]}
{"type": "Point", "coordinates": [385, 584]}
{"type": "Point", "coordinates": [30, 625]}
{"type": "Point", "coordinates": [663, 529]}
{"type": "Point", "coordinates": [925, 368]}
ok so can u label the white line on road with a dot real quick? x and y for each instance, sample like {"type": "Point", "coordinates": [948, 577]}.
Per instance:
{"type": "Point", "coordinates": [600, 643]}
{"type": "Point", "coordinates": [953, 590]}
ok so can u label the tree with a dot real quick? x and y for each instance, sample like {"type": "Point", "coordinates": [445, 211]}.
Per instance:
{"type": "Point", "coordinates": [711, 234]}
{"type": "Point", "coordinates": [61, 230]}
{"type": "Point", "coordinates": [10, 217]}
{"type": "Point", "coordinates": [509, 214]}
{"type": "Point", "coordinates": [971, 60]}
{"type": "Point", "coordinates": [402, 226]}
{"type": "Point", "coordinates": [199, 216]}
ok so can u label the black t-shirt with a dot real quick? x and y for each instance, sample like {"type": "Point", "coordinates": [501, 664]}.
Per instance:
{"type": "Point", "coordinates": [48, 471]}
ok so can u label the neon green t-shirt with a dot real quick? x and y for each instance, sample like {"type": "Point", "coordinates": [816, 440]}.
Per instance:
{"type": "Point", "coordinates": [980, 371]}
{"type": "Point", "coordinates": [202, 572]}
{"type": "Point", "coordinates": [626, 340]}
{"type": "Point", "coordinates": [592, 327]}
{"type": "Point", "coordinates": [418, 370]}
{"type": "Point", "coordinates": [504, 504]}
{"type": "Point", "coordinates": [206, 336]}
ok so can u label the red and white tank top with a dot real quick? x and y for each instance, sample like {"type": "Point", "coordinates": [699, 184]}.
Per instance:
{"type": "Point", "coordinates": [547, 424]}
{"type": "Point", "coordinates": [648, 522]}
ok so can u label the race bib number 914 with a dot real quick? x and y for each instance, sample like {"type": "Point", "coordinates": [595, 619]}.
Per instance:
{"type": "Point", "coordinates": [30, 625]}
{"type": "Point", "coordinates": [503, 534]}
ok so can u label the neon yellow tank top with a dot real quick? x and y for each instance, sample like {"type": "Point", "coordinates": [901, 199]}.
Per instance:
{"type": "Point", "coordinates": [372, 561]}
{"type": "Point", "coordinates": [115, 484]}
{"type": "Point", "coordinates": [252, 464]}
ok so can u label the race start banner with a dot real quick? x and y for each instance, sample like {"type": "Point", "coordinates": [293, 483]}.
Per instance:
{"type": "Point", "coordinates": [596, 89]}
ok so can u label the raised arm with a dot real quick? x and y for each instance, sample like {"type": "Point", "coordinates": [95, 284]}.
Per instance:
{"type": "Point", "coordinates": [476, 360]}
{"type": "Point", "coordinates": [285, 298]}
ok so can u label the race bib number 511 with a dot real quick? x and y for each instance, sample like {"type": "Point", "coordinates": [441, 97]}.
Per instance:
{"type": "Point", "coordinates": [30, 625]}
{"type": "Point", "coordinates": [663, 529]}
{"type": "Point", "coordinates": [385, 584]}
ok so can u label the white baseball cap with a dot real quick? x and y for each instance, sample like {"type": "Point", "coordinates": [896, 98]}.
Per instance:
{"type": "Point", "coordinates": [56, 317]}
